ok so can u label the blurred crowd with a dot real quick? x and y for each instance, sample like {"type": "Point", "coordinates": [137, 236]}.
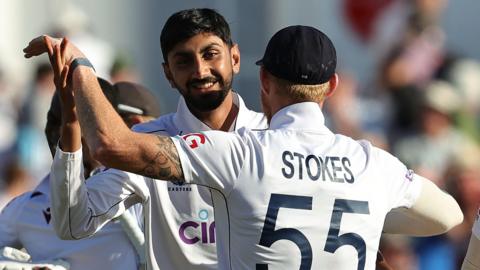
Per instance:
{"type": "Point", "coordinates": [24, 152]}
{"type": "Point", "coordinates": [423, 106]}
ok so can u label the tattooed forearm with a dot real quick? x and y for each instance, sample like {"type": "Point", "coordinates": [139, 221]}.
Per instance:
{"type": "Point", "coordinates": [165, 165]}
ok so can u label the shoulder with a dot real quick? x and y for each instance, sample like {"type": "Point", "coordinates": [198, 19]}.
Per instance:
{"type": "Point", "coordinates": [163, 124]}
{"type": "Point", "coordinates": [383, 160]}
{"type": "Point", "coordinates": [16, 205]}
{"type": "Point", "coordinates": [249, 118]}
{"type": "Point", "coordinates": [256, 120]}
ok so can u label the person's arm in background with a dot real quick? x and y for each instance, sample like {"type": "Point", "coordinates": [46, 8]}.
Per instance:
{"type": "Point", "coordinates": [434, 212]}
{"type": "Point", "coordinates": [70, 133]}
{"type": "Point", "coordinates": [80, 208]}
{"type": "Point", "coordinates": [472, 259]}
{"type": "Point", "coordinates": [112, 142]}
{"type": "Point", "coordinates": [77, 210]}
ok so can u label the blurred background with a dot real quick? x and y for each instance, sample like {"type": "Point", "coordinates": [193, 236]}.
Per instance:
{"type": "Point", "coordinates": [409, 71]}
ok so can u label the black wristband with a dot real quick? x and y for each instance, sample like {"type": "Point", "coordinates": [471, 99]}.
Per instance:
{"type": "Point", "coordinates": [80, 62]}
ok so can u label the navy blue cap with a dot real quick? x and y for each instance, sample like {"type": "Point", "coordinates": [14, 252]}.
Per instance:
{"type": "Point", "coordinates": [300, 54]}
{"type": "Point", "coordinates": [133, 98]}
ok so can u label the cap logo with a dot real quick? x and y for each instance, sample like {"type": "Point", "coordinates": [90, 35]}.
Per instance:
{"type": "Point", "coordinates": [304, 76]}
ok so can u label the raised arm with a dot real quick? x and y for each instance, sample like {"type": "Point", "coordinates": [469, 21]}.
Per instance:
{"type": "Point", "coordinates": [111, 141]}
{"type": "Point", "coordinates": [113, 144]}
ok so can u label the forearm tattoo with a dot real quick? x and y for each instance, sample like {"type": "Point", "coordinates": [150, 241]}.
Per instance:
{"type": "Point", "coordinates": [165, 165]}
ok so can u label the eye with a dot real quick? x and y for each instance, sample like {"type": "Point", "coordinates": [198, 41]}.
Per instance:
{"type": "Point", "coordinates": [210, 54]}
{"type": "Point", "coordinates": [182, 61]}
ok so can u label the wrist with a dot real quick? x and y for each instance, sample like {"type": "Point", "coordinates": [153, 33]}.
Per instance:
{"type": "Point", "coordinates": [70, 123]}
{"type": "Point", "coordinates": [80, 64]}
{"type": "Point", "coordinates": [69, 117]}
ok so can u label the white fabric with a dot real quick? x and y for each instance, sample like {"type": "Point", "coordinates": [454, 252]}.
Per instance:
{"type": "Point", "coordinates": [253, 172]}
{"type": "Point", "coordinates": [434, 212]}
{"type": "Point", "coordinates": [19, 265]}
{"type": "Point", "coordinates": [179, 223]}
{"type": "Point", "coordinates": [472, 258]}
{"type": "Point", "coordinates": [9, 253]}
{"type": "Point", "coordinates": [25, 222]}
{"type": "Point", "coordinates": [476, 225]}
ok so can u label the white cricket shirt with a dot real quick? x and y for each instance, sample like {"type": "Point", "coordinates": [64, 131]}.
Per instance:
{"type": "Point", "coordinates": [179, 221]}
{"type": "Point", "coordinates": [26, 222]}
{"type": "Point", "coordinates": [296, 196]}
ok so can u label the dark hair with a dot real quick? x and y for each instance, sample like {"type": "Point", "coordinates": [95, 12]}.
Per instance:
{"type": "Point", "coordinates": [187, 23]}
{"type": "Point", "coordinates": [54, 116]}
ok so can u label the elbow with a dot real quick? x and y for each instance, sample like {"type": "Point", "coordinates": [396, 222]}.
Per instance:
{"type": "Point", "coordinates": [66, 231]}
{"type": "Point", "coordinates": [455, 218]}
{"type": "Point", "coordinates": [452, 216]}
{"type": "Point", "coordinates": [65, 236]}
{"type": "Point", "coordinates": [61, 232]}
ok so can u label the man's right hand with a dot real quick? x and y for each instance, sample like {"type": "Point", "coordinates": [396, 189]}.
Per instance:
{"type": "Point", "coordinates": [45, 44]}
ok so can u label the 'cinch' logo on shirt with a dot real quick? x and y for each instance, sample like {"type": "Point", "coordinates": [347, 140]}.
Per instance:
{"type": "Point", "coordinates": [194, 139]}
{"type": "Point", "coordinates": [199, 231]}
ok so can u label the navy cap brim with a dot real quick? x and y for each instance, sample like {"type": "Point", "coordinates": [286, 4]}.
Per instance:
{"type": "Point", "coordinates": [259, 62]}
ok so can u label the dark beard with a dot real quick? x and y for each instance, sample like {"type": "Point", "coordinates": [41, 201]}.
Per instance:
{"type": "Point", "coordinates": [209, 101]}
{"type": "Point", "coordinates": [206, 102]}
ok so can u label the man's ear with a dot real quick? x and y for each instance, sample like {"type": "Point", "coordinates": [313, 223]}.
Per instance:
{"type": "Point", "coordinates": [235, 54]}
{"type": "Point", "coordinates": [168, 74]}
{"type": "Point", "coordinates": [264, 82]}
{"type": "Point", "coordinates": [333, 83]}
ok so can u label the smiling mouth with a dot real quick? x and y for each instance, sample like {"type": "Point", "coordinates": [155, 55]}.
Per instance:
{"type": "Point", "coordinates": [203, 86]}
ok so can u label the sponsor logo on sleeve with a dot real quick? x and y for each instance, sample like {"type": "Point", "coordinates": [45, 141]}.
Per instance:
{"type": "Point", "coordinates": [409, 175]}
{"type": "Point", "coordinates": [194, 139]}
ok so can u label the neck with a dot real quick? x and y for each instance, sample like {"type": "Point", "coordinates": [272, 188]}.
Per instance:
{"type": "Point", "coordinates": [220, 118]}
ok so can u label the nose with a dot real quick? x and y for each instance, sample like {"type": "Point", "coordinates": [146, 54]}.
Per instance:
{"type": "Point", "coordinates": [202, 68]}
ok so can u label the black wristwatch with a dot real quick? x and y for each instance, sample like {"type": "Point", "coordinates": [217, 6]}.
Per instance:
{"type": "Point", "coordinates": [80, 62]}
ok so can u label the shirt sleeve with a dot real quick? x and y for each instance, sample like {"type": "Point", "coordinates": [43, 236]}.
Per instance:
{"type": "Point", "coordinates": [213, 158]}
{"type": "Point", "coordinates": [402, 187]}
{"type": "Point", "coordinates": [9, 236]}
{"type": "Point", "coordinates": [80, 208]}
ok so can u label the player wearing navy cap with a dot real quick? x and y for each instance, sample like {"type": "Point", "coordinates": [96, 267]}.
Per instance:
{"type": "Point", "coordinates": [293, 196]}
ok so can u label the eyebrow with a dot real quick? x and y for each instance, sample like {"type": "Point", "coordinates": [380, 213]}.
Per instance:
{"type": "Point", "coordinates": [203, 49]}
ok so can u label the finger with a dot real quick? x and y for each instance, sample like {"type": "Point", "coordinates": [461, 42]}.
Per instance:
{"type": "Point", "coordinates": [63, 47]}
{"type": "Point", "coordinates": [64, 76]}
{"type": "Point", "coordinates": [38, 46]}
{"type": "Point", "coordinates": [49, 47]}
{"type": "Point", "coordinates": [58, 60]}
{"type": "Point", "coordinates": [35, 47]}
{"type": "Point", "coordinates": [48, 43]}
